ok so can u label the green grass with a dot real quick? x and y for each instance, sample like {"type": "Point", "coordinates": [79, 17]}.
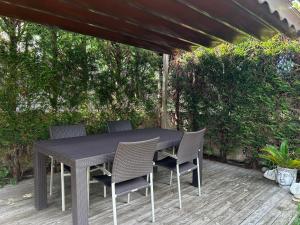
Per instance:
{"type": "Point", "coordinates": [297, 220]}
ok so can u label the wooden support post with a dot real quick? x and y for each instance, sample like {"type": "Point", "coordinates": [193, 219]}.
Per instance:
{"type": "Point", "coordinates": [164, 95]}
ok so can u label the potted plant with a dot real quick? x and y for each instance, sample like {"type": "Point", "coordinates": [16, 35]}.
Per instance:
{"type": "Point", "coordinates": [286, 163]}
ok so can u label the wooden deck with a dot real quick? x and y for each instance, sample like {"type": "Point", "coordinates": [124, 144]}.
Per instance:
{"type": "Point", "coordinates": [230, 195]}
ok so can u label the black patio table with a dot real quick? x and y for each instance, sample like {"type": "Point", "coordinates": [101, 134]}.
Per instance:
{"type": "Point", "coordinates": [82, 152]}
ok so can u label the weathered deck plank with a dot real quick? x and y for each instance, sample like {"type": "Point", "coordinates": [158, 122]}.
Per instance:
{"type": "Point", "coordinates": [230, 195]}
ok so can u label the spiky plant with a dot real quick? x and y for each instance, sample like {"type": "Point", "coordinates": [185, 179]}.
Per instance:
{"type": "Point", "coordinates": [281, 156]}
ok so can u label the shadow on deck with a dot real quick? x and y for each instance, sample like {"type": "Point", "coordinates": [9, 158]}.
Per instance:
{"type": "Point", "coordinates": [230, 195]}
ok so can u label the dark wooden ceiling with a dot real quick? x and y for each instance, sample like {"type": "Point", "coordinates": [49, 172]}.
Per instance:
{"type": "Point", "coordinates": [162, 25]}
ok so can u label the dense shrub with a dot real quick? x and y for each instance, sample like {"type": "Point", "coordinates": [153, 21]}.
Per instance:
{"type": "Point", "coordinates": [247, 95]}
{"type": "Point", "coordinates": [50, 77]}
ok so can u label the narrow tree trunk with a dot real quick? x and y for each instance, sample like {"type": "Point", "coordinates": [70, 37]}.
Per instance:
{"type": "Point", "coordinates": [159, 96]}
{"type": "Point", "coordinates": [54, 62]}
{"type": "Point", "coordinates": [164, 115]}
{"type": "Point", "coordinates": [177, 107]}
{"type": "Point", "coordinates": [223, 151]}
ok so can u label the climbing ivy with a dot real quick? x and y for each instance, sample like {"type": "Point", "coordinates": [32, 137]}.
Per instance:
{"type": "Point", "coordinates": [247, 95]}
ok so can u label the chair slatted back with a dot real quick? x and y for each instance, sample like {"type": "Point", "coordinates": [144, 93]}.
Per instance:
{"type": "Point", "coordinates": [190, 144]}
{"type": "Point", "coordinates": [133, 160]}
{"type": "Point", "coordinates": [67, 131]}
{"type": "Point", "coordinates": [117, 126]}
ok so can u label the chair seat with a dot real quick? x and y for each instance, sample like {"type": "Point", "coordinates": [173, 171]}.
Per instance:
{"type": "Point", "coordinates": [126, 186]}
{"type": "Point", "coordinates": [67, 168]}
{"type": "Point", "coordinates": [170, 163]}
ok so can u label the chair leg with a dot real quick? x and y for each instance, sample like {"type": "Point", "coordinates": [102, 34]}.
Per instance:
{"type": "Point", "coordinates": [113, 195]}
{"type": "Point", "coordinates": [147, 188]}
{"type": "Point", "coordinates": [178, 182]}
{"type": "Point", "coordinates": [62, 178]}
{"type": "Point", "coordinates": [88, 184]}
{"type": "Point", "coordinates": [152, 197]}
{"type": "Point", "coordinates": [198, 173]}
{"type": "Point", "coordinates": [104, 167]}
{"type": "Point", "coordinates": [51, 175]}
{"type": "Point", "coordinates": [128, 198]}
{"type": "Point", "coordinates": [104, 191]}
{"type": "Point", "coordinates": [171, 177]}
{"type": "Point", "coordinates": [104, 187]}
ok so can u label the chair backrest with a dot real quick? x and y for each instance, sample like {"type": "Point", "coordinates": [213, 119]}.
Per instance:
{"type": "Point", "coordinates": [67, 131]}
{"type": "Point", "coordinates": [190, 144]}
{"type": "Point", "coordinates": [117, 126]}
{"type": "Point", "coordinates": [133, 160]}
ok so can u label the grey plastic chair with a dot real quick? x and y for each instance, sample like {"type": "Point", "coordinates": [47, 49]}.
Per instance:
{"type": "Point", "coordinates": [117, 126]}
{"type": "Point", "coordinates": [66, 131]}
{"type": "Point", "coordinates": [190, 145]}
{"type": "Point", "coordinates": [133, 162]}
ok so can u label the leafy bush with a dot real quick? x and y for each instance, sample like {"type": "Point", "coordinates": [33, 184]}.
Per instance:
{"type": "Point", "coordinates": [52, 77]}
{"type": "Point", "coordinates": [281, 156]}
{"type": "Point", "coordinates": [247, 95]}
{"type": "Point", "coordinates": [3, 175]}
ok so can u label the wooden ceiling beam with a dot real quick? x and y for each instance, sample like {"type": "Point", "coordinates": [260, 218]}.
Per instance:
{"type": "Point", "coordinates": [122, 10]}
{"type": "Point", "coordinates": [241, 19]}
{"type": "Point", "coordinates": [71, 11]}
{"type": "Point", "coordinates": [172, 11]}
{"type": "Point", "coordinates": [21, 13]}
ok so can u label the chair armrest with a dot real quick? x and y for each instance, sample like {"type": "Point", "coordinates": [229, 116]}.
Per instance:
{"type": "Point", "coordinates": [168, 154]}
{"type": "Point", "coordinates": [95, 169]}
{"type": "Point", "coordinates": [105, 171]}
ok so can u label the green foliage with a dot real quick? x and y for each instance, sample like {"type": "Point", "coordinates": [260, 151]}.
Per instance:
{"type": "Point", "coordinates": [297, 220]}
{"type": "Point", "coordinates": [296, 4]}
{"type": "Point", "coordinates": [247, 95]}
{"type": "Point", "coordinates": [3, 176]}
{"type": "Point", "coordinates": [281, 156]}
{"type": "Point", "coordinates": [51, 77]}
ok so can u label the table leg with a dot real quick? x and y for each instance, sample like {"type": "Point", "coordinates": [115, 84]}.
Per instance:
{"type": "Point", "coordinates": [155, 158]}
{"type": "Point", "coordinates": [195, 177]}
{"type": "Point", "coordinates": [40, 180]}
{"type": "Point", "coordinates": [79, 196]}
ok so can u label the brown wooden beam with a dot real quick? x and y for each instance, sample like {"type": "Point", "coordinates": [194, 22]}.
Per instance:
{"type": "Point", "coordinates": [21, 13]}
{"type": "Point", "coordinates": [179, 13]}
{"type": "Point", "coordinates": [239, 18]}
{"type": "Point", "coordinates": [122, 10]}
{"type": "Point", "coordinates": [72, 11]}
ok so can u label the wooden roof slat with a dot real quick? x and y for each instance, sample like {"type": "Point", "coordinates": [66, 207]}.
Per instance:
{"type": "Point", "coordinates": [73, 12]}
{"type": "Point", "coordinates": [18, 12]}
{"type": "Point", "coordinates": [171, 10]}
{"type": "Point", "coordinates": [123, 11]}
{"type": "Point", "coordinates": [251, 25]}
{"type": "Point", "coordinates": [162, 26]}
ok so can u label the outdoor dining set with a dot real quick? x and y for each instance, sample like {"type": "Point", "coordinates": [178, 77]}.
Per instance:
{"type": "Point", "coordinates": [122, 159]}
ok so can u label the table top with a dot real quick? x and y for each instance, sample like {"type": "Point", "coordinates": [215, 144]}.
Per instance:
{"type": "Point", "coordinates": [96, 149]}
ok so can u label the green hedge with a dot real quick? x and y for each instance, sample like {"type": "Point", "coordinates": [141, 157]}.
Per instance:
{"type": "Point", "coordinates": [247, 95]}
{"type": "Point", "coordinates": [52, 77]}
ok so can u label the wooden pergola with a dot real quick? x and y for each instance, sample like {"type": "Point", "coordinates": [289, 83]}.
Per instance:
{"type": "Point", "coordinates": [162, 26]}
